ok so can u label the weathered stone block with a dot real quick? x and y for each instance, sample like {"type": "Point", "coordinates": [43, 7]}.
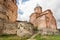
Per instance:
{"type": "Point", "coordinates": [10, 28]}
{"type": "Point", "coordinates": [25, 29]}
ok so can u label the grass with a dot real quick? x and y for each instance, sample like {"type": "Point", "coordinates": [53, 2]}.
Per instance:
{"type": "Point", "coordinates": [46, 37]}
{"type": "Point", "coordinates": [9, 37]}
{"type": "Point", "coordinates": [38, 37]}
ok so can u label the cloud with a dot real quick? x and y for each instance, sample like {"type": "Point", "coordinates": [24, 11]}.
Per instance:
{"type": "Point", "coordinates": [28, 6]}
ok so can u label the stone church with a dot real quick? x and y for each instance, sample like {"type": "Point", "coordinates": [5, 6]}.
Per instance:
{"type": "Point", "coordinates": [43, 20]}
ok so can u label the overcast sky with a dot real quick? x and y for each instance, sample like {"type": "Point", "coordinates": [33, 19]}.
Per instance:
{"type": "Point", "coordinates": [26, 7]}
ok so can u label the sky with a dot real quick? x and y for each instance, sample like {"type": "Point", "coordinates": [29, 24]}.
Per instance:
{"type": "Point", "coordinates": [26, 7]}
